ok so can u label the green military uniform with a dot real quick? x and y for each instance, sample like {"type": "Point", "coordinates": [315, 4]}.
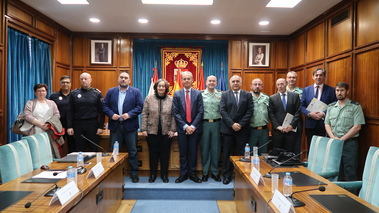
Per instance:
{"type": "Point", "coordinates": [300, 123]}
{"type": "Point", "coordinates": [210, 140]}
{"type": "Point", "coordinates": [259, 121]}
{"type": "Point", "coordinates": [341, 120]}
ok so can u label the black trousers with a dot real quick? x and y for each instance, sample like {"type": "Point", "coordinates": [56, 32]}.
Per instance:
{"type": "Point", "coordinates": [349, 160]}
{"type": "Point", "coordinates": [159, 151]}
{"type": "Point", "coordinates": [233, 144]}
{"type": "Point", "coordinates": [188, 153]}
{"type": "Point", "coordinates": [88, 128]}
{"type": "Point", "coordinates": [287, 141]}
{"type": "Point", "coordinates": [319, 130]}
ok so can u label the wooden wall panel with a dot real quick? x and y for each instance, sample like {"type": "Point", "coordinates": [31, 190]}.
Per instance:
{"type": "Point", "coordinates": [235, 54]}
{"type": "Point", "coordinates": [266, 77]}
{"type": "Point", "coordinates": [340, 35]}
{"type": "Point", "coordinates": [79, 52]}
{"type": "Point", "coordinates": [19, 14]}
{"type": "Point", "coordinates": [368, 136]}
{"type": "Point", "coordinates": [339, 70]}
{"type": "Point", "coordinates": [280, 54]}
{"type": "Point", "coordinates": [63, 48]}
{"type": "Point", "coordinates": [45, 27]}
{"type": "Point", "coordinates": [366, 82]}
{"type": "Point", "coordinates": [297, 50]}
{"type": "Point", "coordinates": [315, 43]}
{"type": "Point", "coordinates": [102, 80]}
{"type": "Point", "coordinates": [125, 52]}
{"type": "Point", "coordinates": [58, 73]}
{"type": "Point", "coordinates": [300, 78]}
{"type": "Point", "coordinates": [367, 21]}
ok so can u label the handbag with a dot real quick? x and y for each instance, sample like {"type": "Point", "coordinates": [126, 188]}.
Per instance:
{"type": "Point", "coordinates": [21, 126]}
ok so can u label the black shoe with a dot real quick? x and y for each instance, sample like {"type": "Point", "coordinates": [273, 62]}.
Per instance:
{"type": "Point", "coordinates": [135, 179]}
{"type": "Point", "coordinates": [204, 178]}
{"type": "Point", "coordinates": [181, 179]}
{"type": "Point", "coordinates": [152, 178]}
{"type": "Point", "coordinates": [165, 179]}
{"type": "Point", "coordinates": [195, 179]}
{"type": "Point", "coordinates": [227, 180]}
{"type": "Point", "coordinates": [216, 177]}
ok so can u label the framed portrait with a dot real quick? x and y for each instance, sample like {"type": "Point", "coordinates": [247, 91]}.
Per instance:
{"type": "Point", "coordinates": [259, 54]}
{"type": "Point", "coordinates": [101, 51]}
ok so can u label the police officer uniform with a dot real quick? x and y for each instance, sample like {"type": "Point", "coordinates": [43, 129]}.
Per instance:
{"type": "Point", "coordinates": [259, 121]}
{"type": "Point", "coordinates": [341, 120]}
{"type": "Point", "coordinates": [85, 116]}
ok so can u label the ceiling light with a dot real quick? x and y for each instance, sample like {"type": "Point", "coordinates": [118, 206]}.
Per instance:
{"type": "Point", "coordinates": [73, 1]}
{"type": "Point", "coordinates": [179, 2]}
{"type": "Point", "coordinates": [94, 20]}
{"type": "Point", "coordinates": [264, 23]}
{"type": "Point", "coordinates": [283, 3]}
{"type": "Point", "coordinates": [215, 21]}
{"type": "Point", "coordinates": [143, 21]}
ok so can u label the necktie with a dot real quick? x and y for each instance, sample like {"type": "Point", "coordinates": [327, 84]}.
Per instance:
{"type": "Point", "coordinates": [188, 107]}
{"type": "Point", "coordinates": [317, 89]}
{"type": "Point", "coordinates": [236, 95]}
{"type": "Point", "coordinates": [284, 101]}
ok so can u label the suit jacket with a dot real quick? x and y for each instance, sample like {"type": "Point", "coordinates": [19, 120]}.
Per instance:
{"type": "Point", "coordinates": [328, 96]}
{"type": "Point", "coordinates": [179, 110]}
{"type": "Point", "coordinates": [231, 113]}
{"type": "Point", "coordinates": [277, 113]}
{"type": "Point", "coordinates": [150, 115]}
{"type": "Point", "coordinates": [132, 105]}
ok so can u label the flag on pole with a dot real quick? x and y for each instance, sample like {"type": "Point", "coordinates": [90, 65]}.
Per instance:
{"type": "Point", "coordinates": [200, 81]}
{"type": "Point", "coordinates": [154, 79]}
{"type": "Point", "coordinates": [177, 82]}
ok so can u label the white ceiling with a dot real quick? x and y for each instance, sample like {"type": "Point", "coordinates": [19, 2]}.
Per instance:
{"type": "Point", "coordinates": [237, 16]}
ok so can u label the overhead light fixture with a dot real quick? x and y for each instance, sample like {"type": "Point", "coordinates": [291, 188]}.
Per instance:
{"type": "Point", "coordinates": [283, 3]}
{"type": "Point", "coordinates": [143, 21]}
{"type": "Point", "coordinates": [94, 20]}
{"type": "Point", "coordinates": [264, 23]}
{"type": "Point", "coordinates": [73, 1]}
{"type": "Point", "coordinates": [215, 21]}
{"type": "Point", "coordinates": [179, 2]}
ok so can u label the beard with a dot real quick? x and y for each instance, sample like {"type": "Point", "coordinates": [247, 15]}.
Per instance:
{"type": "Point", "coordinates": [123, 85]}
{"type": "Point", "coordinates": [341, 98]}
{"type": "Point", "coordinates": [256, 92]}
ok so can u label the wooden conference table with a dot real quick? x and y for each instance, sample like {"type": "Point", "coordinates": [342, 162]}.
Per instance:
{"type": "Point", "coordinates": [108, 187]}
{"type": "Point", "coordinates": [252, 198]}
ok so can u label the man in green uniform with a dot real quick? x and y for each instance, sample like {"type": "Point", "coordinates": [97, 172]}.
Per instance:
{"type": "Point", "coordinates": [343, 121]}
{"type": "Point", "coordinates": [292, 87]}
{"type": "Point", "coordinates": [210, 141]}
{"type": "Point", "coordinates": [259, 120]}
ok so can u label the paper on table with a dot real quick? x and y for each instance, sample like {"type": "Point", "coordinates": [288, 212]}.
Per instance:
{"type": "Point", "coordinates": [50, 175]}
{"type": "Point", "coordinates": [287, 121]}
{"type": "Point", "coordinates": [317, 106]}
{"type": "Point", "coordinates": [90, 154]}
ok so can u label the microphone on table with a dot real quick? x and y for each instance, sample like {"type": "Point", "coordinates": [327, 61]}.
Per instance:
{"type": "Point", "coordinates": [298, 203]}
{"type": "Point", "coordinates": [243, 159]}
{"type": "Point", "coordinates": [268, 174]}
{"type": "Point", "coordinates": [29, 203]}
{"type": "Point", "coordinates": [93, 143]}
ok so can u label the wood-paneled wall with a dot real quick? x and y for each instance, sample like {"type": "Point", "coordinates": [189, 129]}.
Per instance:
{"type": "Point", "coordinates": [349, 51]}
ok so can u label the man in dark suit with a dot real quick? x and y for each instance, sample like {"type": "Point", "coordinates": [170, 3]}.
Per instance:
{"type": "Point", "coordinates": [314, 121]}
{"type": "Point", "coordinates": [280, 104]}
{"type": "Point", "coordinates": [188, 111]}
{"type": "Point", "coordinates": [122, 105]}
{"type": "Point", "coordinates": [236, 108]}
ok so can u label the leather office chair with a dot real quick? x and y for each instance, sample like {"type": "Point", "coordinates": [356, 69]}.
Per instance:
{"type": "Point", "coordinates": [40, 149]}
{"type": "Point", "coordinates": [369, 186]}
{"type": "Point", "coordinates": [15, 160]}
{"type": "Point", "coordinates": [325, 157]}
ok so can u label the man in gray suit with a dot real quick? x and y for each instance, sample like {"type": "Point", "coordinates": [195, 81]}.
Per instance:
{"type": "Point", "coordinates": [281, 104]}
{"type": "Point", "coordinates": [236, 108]}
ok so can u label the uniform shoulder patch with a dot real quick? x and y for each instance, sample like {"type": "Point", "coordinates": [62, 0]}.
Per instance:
{"type": "Point", "coordinates": [331, 104]}
{"type": "Point", "coordinates": [354, 102]}
{"type": "Point", "coordinates": [97, 90]}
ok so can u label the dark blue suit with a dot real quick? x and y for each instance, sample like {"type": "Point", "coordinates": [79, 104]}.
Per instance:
{"type": "Point", "coordinates": [124, 131]}
{"type": "Point", "coordinates": [188, 143]}
{"type": "Point", "coordinates": [315, 127]}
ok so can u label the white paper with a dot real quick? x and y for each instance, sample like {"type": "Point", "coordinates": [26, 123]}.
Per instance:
{"type": "Point", "coordinates": [90, 154]}
{"type": "Point", "coordinates": [317, 106]}
{"type": "Point", "coordinates": [281, 202]}
{"type": "Point", "coordinates": [50, 175]}
{"type": "Point", "coordinates": [287, 121]}
{"type": "Point", "coordinates": [68, 191]}
{"type": "Point", "coordinates": [96, 170]}
{"type": "Point", "coordinates": [255, 175]}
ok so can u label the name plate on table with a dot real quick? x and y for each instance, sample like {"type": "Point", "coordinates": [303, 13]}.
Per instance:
{"type": "Point", "coordinates": [65, 193]}
{"type": "Point", "coordinates": [255, 175]}
{"type": "Point", "coordinates": [96, 170]}
{"type": "Point", "coordinates": [281, 202]}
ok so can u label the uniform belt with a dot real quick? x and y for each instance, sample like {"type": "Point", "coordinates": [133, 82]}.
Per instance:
{"type": "Point", "coordinates": [211, 120]}
{"type": "Point", "coordinates": [260, 127]}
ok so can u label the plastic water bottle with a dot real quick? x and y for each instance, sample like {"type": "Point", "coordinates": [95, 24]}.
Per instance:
{"type": "Point", "coordinates": [247, 151]}
{"type": "Point", "coordinates": [287, 185]}
{"type": "Point", "coordinates": [80, 160]}
{"type": "Point", "coordinates": [116, 148]}
{"type": "Point", "coordinates": [71, 174]}
{"type": "Point", "coordinates": [255, 159]}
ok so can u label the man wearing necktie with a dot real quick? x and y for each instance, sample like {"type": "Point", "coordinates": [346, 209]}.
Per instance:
{"type": "Point", "coordinates": [188, 112]}
{"type": "Point", "coordinates": [314, 121]}
{"type": "Point", "coordinates": [236, 108]}
{"type": "Point", "coordinates": [280, 104]}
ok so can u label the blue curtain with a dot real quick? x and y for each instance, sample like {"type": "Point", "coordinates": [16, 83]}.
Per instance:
{"type": "Point", "coordinates": [28, 63]}
{"type": "Point", "coordinates": [147, 55]}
